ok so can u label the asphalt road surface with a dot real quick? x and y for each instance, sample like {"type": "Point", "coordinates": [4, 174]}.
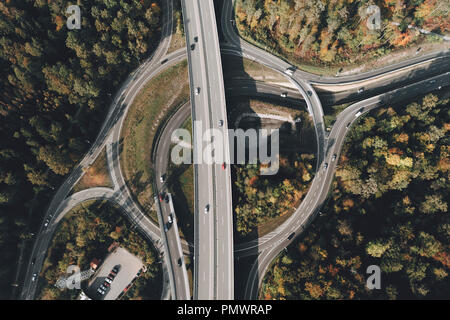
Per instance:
{"type": "Point", "coordinates": [213, 222]}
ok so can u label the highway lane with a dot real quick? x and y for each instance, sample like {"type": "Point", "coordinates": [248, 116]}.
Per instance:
{"type": "Point", "coordinates": [213, 253]}
{"type": "Point", "coordinates": [310, 207]}
{"type": "Point", "coordinates": [161, 162]}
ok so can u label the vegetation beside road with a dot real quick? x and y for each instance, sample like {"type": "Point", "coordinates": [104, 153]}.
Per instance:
{"type": "Point", "coordinates": [152, 106]}
{"type": "Point", "coordinates": [86, 233]}
{"type": "Point", "coordinates": [388, 207]}
{"type": "Point", "coordinates": [322, 37]}
{"type": "Point", "coordinates": [178, 40]}
{"type": "Point", "coordinates": [261, 203]}
{"type": "Point", "coordinates": [56, 86]}
{"type": "Point", "coordinates": [97, 175]}
{"type": "Point", "coordinates": [331, 113]}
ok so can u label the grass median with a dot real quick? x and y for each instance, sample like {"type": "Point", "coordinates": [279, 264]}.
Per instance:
{"type": "Point", "coordinates": [97, 175]}
{"type": "Point", "coordinates": [151, 108]}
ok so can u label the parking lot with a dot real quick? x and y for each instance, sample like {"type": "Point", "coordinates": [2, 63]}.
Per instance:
{"type": "Point", "coordinates": [127, 265]}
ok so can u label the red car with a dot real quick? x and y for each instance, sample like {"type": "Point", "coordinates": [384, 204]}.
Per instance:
{"type": "Point", "coordinates": [223, 166]}
{"type": "Point", "coordinates": [161, 198]}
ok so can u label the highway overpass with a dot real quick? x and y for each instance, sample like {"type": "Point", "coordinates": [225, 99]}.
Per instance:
{"type": "Point", "coordinates": [213, 220]}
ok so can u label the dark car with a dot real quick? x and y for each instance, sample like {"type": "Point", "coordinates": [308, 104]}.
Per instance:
{"type": "Point", "coordinates": [291, 235]}
{"type": "Point", "coordinates": [33, 261]}
{"type": "Point", "coordinates": [167, 198]}
{"type": "Point", "coordinates": [116, 268]}
{"type": "Point", "coordinates": [192, 47]}
{"type": "Point", "coordinates": [179, 262]}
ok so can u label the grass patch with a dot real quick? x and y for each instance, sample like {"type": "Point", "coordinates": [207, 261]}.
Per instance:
{"type": "Point", "coordinates": [86, 233]}
{"type": "Point", "coordinates": [155, 103]}
{"type": "Point", "coordinates": [246, 69]}
{"type": "Point", "coordinates": [97, 175]}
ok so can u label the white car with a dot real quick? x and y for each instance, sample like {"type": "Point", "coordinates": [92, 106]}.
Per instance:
{"type": "Point", "coordinates": [220, 123]}
{"type": "Point", "coordinates": [170, 219]}
{"type": "Point", "coordinates": [207, 208]}
{"type": "Point", "coordinates": [108, 280]}
{"type": "Point", "coordinates": [34, 277]}
{"type": "Point", "coordinates": [289, 71]}
{"type": "Point", "coordinates": [334, 157]}
{"type": "Point", "coordinates": [360, 90]}
{"type": "Point", "coordinates": [197, 91]}
{"type": "Point", "coordinates": [102, 292]}
{"type": "Point", "coordinates": [161, 178]}
{"type": "Point", "coordinates": [46, 222]}
{"type": "Point", "coordinates": [325, 165]}
{"type": "Point", "coordinates": [283, 94]}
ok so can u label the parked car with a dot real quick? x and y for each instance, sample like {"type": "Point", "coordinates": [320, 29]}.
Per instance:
{"type": "Point", "coordinates": [108, 280]}
{"type": "Point", "coordinates": [167, 198]}
{"type": "Point", "coordinates": [116, 268]}
{"type": "Point", "coordinates": [100, 291]}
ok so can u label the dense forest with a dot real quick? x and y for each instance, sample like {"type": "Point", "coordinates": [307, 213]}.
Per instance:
{"type": "Point", "coordinates": [55, 88]}
{"type": "Point", "coordinates": [335, 31]}
{"type": "Point", "coordinates": [85, 234]}
{"type": "Point", "coordinates": [388, 207]}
